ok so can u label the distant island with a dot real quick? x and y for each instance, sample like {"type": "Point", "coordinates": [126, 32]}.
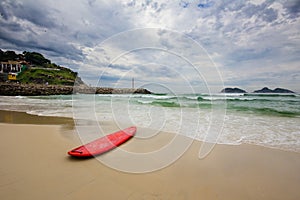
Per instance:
{"type": "Point", "coordinates": [30, 73]}
{"type": "Point", "coordinates": [263, 90]}
{"type": "Point", "coordinates": [276, 90]}
{"type": "Point", "coordinates": [233, 90]}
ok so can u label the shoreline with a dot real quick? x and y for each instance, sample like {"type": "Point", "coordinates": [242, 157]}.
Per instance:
{"type": "Point", "coordinates": [68, 124]}
{"type": "Point", "coordinates": [35, 165]}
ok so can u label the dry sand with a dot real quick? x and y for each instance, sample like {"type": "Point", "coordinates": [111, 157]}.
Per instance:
{"type": "Point", "coordinates": [34, 165]}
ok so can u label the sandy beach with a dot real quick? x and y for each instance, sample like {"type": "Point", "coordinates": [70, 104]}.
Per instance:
{"type": "Point", "coordinates": [35, 165]}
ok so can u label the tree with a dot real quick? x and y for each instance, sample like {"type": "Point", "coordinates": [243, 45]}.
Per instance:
{"type": "Point", "coordinates": [8, 55]}
{"type": "Point", "coordinates": [36, 58]}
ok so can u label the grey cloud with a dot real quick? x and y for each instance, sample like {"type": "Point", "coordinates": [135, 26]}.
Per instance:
{"type": "Point", "coordinates": [269, 15]}
{"type": "Point", "coordinates": [293, 8]}
{"type": "Point", "coordinates": [156, 72]}
{"type": "Point", "coordinates": [3, 12]}
{"type": "Point", "coordinates": [91, 2]}
{"type": "Point", "coordinates": [36, 15]}
{"type": "Point", "coordinates": [165, 42]}
{"type": "Point", "coordinates": [233, 5]}
{"type": "Point", "coordinates": [49, 47]}
{"type": "Point", "coordinates": [54, 50]}
{"type": "Point", "coordinates": [120, 67]}
{"type": "Point", "coordinates": [260, 11]}
{"type": "Point", "coordinates": [266, 77]}
{"type": "Point", "coordinates": [14, 27]}
{"type": "Point", "coordinates": [22, 27]}
{"type": "Point", "coordinates": [33, 13]}
{"type": "Point", "coordinates": [250, 54]}
{"type": "Point", "coordinates": [107, 77]}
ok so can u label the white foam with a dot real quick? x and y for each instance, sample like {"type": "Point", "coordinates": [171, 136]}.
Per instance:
{"type": "Point", "coordinates": [238, 128]}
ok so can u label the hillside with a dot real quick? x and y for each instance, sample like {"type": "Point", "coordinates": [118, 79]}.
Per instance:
{"type": "Point", "coordinates": [39, 76]}
{"type": "Point", "coordinates": [52, 76]}
{"type": "Point", "coordinates": [34, 68]}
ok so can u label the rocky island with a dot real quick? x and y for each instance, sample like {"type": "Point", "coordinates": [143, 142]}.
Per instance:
{"type": "Point", "coordinates": [233, 90]}
{"type": "Point", "coordinates": [263, 90]}
{"type": "Point", "coordinates": [31, 74]}
{"type": "Point", "coordinates": [276, 90]}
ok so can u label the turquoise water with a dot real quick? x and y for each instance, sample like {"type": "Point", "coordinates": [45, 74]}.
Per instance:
{"type": "Point", "coordinates": [261, 104]}
{"type": "Point", "coordinates": [271, 120]}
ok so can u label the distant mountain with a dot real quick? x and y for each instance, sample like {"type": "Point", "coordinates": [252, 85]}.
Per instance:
{"type": "Point", "coordinates": [277, 90]}
{"type": "Point", "coordinates": [233, 90]}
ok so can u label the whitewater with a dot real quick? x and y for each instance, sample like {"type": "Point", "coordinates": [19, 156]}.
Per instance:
{"type": "Point", "coordinates": [270, 120]}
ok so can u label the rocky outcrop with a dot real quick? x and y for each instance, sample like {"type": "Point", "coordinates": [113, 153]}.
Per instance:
{"type": "Point", "coordinates": [14, 89]}
{"type": "Point", "coordinates": [122, 91]}
{"type": "Point", "coordinates": [277, 90]}
{"type": "Point", "coordinates": [10, 89]}
{"type": "Point", "coordinates": [233, 90]}
{"type": "Point", "coordinates": [107, 90]}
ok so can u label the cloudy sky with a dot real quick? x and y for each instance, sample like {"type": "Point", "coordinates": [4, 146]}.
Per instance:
{"type": "Point", "coordinates": [191, 45]}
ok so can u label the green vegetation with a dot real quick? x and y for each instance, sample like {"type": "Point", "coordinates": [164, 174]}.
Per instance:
{"type": "Point", "coordinates": [36, 58]}
{"type": "Point", "coordinates": [33, 58]}
{"type": "Point", "coordinates": [9, 55]}
{"type": "Point", "coordinates": [52, 76]}
{"type": "Point", "coordinates": [40, 70]}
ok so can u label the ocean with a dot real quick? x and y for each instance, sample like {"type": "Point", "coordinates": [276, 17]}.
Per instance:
{"type": "Point", "coordinates": [270, 120]}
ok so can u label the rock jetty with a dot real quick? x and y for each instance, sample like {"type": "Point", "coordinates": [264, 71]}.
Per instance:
{"type": "Point", "coordinates": [14, 89]}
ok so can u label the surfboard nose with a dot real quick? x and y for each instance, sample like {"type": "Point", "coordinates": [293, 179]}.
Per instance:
{"type": "Point", "coordinates": [75, 151]}
{"type": "Point", "coordinates": [131, 130]}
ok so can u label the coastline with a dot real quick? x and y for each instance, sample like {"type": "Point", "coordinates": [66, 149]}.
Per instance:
{"type": "Point", "coordinates": [35, 166]}
{"type": "Point", "coordinates": [17, 89]}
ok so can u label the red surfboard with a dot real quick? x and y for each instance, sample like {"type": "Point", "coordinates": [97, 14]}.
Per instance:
{"type": "Point", "coordinates": [103, 144]}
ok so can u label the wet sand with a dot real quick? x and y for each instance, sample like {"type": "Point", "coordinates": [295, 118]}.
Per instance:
{"type": "Point", "coordinates": [35, 165]}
